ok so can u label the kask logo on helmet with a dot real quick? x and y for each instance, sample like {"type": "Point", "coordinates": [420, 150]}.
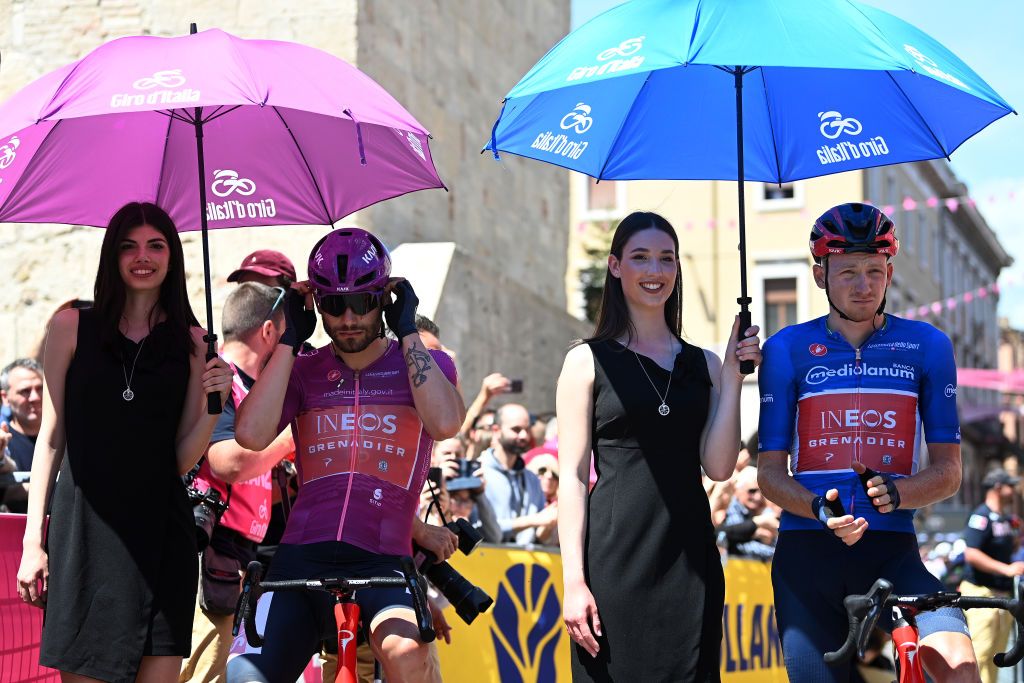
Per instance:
{"type": "Point", "coordinates": [832, 125]}
{"type": "Point", "coordinates": [579, 121]}
{"type": "Point", "coordinates": [621, 57]}
{"type": "Point", "coordinates": [227, 182]}
{"type": "Point", "coordinates": [163, 85]}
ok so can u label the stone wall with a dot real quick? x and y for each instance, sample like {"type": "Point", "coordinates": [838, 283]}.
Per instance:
{"type": "Point", "coordinates": [449, 62]}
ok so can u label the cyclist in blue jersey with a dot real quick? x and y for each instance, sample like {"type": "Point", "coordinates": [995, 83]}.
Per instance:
{"type": "Point", "coordinates": [846, 401]}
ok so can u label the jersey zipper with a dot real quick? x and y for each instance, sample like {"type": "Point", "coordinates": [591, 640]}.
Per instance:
{"type": "Point", "coordinates": [353, 454]}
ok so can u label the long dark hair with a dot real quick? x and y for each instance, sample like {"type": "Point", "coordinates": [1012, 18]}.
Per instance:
{"type": "Point", "coordinates": [613, 317]}
{"type": "Point", "coordinates": [109, 290]}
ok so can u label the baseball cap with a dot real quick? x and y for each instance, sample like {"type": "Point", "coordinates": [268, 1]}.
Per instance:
{"type": "Point", "coordinates": [265, 262]}
{"type": "Point", "coordinates": [999, 477]}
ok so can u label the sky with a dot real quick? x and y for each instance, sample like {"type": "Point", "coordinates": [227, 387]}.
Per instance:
{"type": "Point", "coordinates": [989, 37]}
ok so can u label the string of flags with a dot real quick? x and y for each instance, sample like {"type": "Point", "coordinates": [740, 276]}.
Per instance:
{"type": "Point", "coordinates": [948, 304]}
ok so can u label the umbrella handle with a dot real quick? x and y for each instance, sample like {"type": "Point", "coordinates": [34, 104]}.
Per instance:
{"type": "Point", "coordinates": [213, 405]}
{"type": "Point", "coordinates": [746, 366]}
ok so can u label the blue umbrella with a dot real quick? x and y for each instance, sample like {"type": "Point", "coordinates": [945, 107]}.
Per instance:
{"type": "Point", "coordinates": [767, 90]}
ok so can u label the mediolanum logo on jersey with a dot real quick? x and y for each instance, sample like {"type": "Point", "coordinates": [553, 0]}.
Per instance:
{"type": "Point", "coordinates": [820, 374]}
{"type": "Point", "coordinates": [833, 125]}
{"type": "Point", "coordinates": [621, 57]}
{"type": "Point", "coordinates": [577, 121]}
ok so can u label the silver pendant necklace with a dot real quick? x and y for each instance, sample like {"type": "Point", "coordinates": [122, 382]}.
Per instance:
{"type": "Point", "coordinates": [663, 409]}
{"type": "Point", "coordinates": [128, 394]}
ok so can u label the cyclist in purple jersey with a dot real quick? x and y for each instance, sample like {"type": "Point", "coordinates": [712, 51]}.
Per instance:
{"type": "Point", "coordinates": [364, 412]}
{"type": "Point", "coordinates": [846, 402]}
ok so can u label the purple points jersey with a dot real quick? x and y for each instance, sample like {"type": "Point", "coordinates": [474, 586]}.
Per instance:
{"type": "Point", "coordinates": [361, 451]}
{"type": "Point", "coordinates": [828, 405]}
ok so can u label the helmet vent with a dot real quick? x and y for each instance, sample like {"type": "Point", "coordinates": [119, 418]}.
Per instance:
{"type": "Point", "coordinates": [321, 280]}
{"type": "Point", "coordinates": [363, 279]}
{"type": "Point", "coordinates": [342, 268]}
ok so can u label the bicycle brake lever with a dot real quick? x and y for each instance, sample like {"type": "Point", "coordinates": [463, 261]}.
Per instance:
{"type": "Point", "coordinates": [424, 622]}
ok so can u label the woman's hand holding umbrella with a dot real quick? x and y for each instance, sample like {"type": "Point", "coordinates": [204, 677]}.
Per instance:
{"type": "Point", "coordinates": [747, 349]}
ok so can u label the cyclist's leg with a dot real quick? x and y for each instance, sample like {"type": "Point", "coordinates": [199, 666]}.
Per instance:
{"type": "Point", "coordinates": [809, 604]}
{"type": "Point", "coordinates": [391, 620]}
{"type": "Point", "coordinates": [945, 643]}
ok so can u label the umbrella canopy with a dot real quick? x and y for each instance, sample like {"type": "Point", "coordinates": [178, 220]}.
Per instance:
{"type": "Point", "coordinates": [647, 90]}
{"type": "Point", "coordinates": [291, 135]}
{"type": "Point", "coordinates": [770, 90]}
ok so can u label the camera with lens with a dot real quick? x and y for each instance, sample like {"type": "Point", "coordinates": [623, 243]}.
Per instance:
{"type": "Point", "coordinates": [207, 508]}
{"type": "Point", "coordinates": [467, 599]}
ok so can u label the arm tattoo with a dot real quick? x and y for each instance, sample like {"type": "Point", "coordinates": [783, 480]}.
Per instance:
{"type": "Point", "coordinates": [418, 362]}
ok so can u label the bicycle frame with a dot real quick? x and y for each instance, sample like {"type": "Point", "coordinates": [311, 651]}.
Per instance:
{"type": "Point", "coordinates": [346, 609]}
{"type": "Point", "coordinates": [863, 612]}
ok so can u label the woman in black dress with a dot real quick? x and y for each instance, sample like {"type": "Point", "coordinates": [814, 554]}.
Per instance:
{"type": "Point", "coordinates": [644, 588]}
{"type": "Point", "coordinates": [125, 396]}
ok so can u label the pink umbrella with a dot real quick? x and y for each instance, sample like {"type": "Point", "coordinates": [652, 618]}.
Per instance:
{"type": "Point", "coordinates": [281, 134]}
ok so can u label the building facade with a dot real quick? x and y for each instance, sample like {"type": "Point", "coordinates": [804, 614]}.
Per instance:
{"type": "Point", "coordinates": [501, 305]}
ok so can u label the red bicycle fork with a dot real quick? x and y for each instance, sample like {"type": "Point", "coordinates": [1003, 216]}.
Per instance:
{"type": "Point", "coordinates": [346, 615]}
{"type": "Point", "coordinates": [904, 642]}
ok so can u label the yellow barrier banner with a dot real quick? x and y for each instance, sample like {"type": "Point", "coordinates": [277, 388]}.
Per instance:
{"type": "Point", "coordinates": [521, 639]}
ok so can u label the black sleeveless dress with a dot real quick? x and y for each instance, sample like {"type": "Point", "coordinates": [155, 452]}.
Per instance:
{"type": "Point", "coordinates": [650, 555]}
{"type": "Point", "coordinates": [121, 540]}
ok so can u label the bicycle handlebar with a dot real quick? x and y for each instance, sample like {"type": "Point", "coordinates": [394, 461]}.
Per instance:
{"type": "Point", "coordinates": [863, 612]}
{"type": "Point", "coordinates": [253, 587]}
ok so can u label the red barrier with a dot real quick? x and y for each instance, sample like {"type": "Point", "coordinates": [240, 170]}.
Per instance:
{"type": "Point", "coordinates": [20, 625]}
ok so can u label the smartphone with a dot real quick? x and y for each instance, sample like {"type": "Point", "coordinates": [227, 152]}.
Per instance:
{"type": "Point", "coordinates": [434, 474]}
{"type": "Point", "coordinates": [515, 386]}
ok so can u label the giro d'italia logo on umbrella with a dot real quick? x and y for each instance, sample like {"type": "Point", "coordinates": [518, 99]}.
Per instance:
{"type": "Point", "coordinates": [233, 188]}
{"type": "Point", "coordinates": [833, 125]}
{"type": "Point", "coordinates": [578, 122]}
{"type": "Point", "coordinates": [8, 151]}
{"type": "Point", "coordinates": [527, 625]}
{"type": "Point", "coordinates": [621, 57]}
{"type": "Point", "coordinates": [160, 87]}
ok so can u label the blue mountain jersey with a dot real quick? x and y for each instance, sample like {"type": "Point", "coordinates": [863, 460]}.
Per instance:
{"type": "Point", "coordinates": [828, 405]}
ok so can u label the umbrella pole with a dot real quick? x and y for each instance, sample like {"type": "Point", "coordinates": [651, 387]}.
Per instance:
{"type": "Point", "coordinates": [746, 366]}
{"type": "Point", "coordinates": [213, 406]}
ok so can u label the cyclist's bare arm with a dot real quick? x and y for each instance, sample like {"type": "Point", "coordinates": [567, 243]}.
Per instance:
{"type": "Point", "coordinates": [257, 417]}
{"type": "Point", "coordinates": [779, 487]}
{"type": "Point", "coordinates": [437, 401]}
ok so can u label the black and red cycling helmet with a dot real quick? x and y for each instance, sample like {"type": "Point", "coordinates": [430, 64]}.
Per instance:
{"type": "Point", "coordinates": [853, 228]}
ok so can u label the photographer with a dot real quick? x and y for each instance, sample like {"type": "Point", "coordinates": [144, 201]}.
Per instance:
{"type": "Point", "coordinates": [253, 323]}
{"type": "Point", "coordinates": [464, 484]}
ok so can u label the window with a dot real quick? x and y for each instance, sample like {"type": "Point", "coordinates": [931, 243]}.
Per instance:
{"type": "Point", "coordinates": [780, 197]}
{"type": "Point", "coordinates": [600, 201]}
{"type": "Point", "coordinates": [779, 304]}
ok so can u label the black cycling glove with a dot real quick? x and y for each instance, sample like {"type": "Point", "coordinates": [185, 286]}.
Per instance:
{"type": "Point", "coordinates": [299, 323]}
{"type": "Point", "coordinates": [401, 313]}
{"type": "Point", "coordinates": [890, 488]}
{"type": "Point", "coordinates": [825, 509]}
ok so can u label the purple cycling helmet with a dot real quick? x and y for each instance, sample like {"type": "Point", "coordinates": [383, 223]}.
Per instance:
{"type": "Point", "coordinates": [349, 260]}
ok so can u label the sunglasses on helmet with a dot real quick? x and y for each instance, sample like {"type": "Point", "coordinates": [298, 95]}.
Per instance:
{"type": "Point", "coordinates": [360, 303]}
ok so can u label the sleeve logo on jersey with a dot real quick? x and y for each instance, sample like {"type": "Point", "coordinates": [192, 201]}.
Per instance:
{"type": "Point", "coordinates": [818, 350]}
{"type": "Point", "coordinates": [950, 391]}
{"type": "Point", "coordinates": [382, 441]}
{"type": "Point", "coordinates": [836, 429]}
{"type": "Point", "coordinates": [979, 522]}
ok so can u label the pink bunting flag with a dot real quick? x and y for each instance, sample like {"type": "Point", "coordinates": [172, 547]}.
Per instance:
{"type": "Point", "coordinates": [936, 308]}
{"type": "Point", "coordinates": [952, 204]}
{"type": "Point", "coordinates": [909, 204]}
{"type": "Point", "coordinates": [932, 202]}
{"type": "Point", "coordinates": [950, 303]}
{"type": "Point", "coordinates": [888, 209]}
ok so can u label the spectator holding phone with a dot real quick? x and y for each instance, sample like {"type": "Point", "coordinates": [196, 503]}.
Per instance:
{"type": "Point", "coordinates": [493, 385]}
{"type": "Point", "coordinates": [514, 491]}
